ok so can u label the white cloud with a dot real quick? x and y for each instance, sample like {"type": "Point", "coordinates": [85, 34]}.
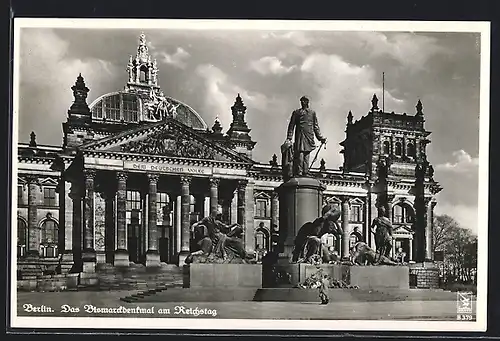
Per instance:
{"type": "Point", "coordinates": [298, 38]}
{"type": "Point", "coordinates": [340, 87]}
{"type": "Point", "coordinates": [270, 65]}
{"type": "Point", "coordinates": [177, 59]}
{"type": "Point", "coordinates": [44, 61]}
{"type": "Point", "coordinates": [466, 216]}
{"type": "Point", "coordinates": [463, 163]}
{"type": "Point", "coordinates": [411, 50]}
{"type": "Point", "coordinates": [220, 94]}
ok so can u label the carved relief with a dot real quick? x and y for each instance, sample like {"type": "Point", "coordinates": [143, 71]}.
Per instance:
{"type": "Point", "coordinates": [170, 143]}
{"type": "Point", "coordinates": [99, 223]}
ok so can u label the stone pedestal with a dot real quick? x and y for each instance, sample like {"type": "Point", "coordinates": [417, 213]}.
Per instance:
{"type": "Point", "coordinates": [365, 277]}
{"type": "Point", "coordinates": [222, 276]}
{"type": "Point", "coordinates": [424, 275]}
{"type": "Point", "coordinates": [152, 259]}
{"type": "Point", "coordinates": [300, 201]}
{"type": "Point", "coordinates": [121, 258]}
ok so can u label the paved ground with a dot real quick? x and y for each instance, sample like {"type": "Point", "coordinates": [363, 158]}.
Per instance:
{"type": "Point", "coordinates": [403, 310]}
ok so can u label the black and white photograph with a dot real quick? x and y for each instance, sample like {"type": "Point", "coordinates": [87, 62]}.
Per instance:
{"type": "Point", "coordinates": [245, 174]}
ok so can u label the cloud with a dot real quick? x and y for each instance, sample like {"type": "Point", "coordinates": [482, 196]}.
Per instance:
{"type": "Point", "coordinates": [298, 38]}
{"type": "Point", "coordinates": [177, 59]}
{"type": "Point", "coordinates": [220, 93]}
{"type": "Point", "coordinates": [270, 65]}
{"type": "Point", "coordinates": [46, 73]}
{"type": "Point", "coordinates": [411, 50]}
{"type": "Point", "coordinates": [338, 87]}
{"type": "Point", "coordinates": [463, 163]}
{"type": "Point", "coordinates": [465, 215]}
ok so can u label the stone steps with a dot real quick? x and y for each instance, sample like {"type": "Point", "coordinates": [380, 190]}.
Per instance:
{"type": "Point", "coordinates": [135, 277]}
{"type": "Point", "coordinates": [176, 294]}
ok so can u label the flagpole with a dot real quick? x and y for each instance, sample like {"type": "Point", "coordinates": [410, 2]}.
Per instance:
{"type": "Point", "coordinates": [383, 91]}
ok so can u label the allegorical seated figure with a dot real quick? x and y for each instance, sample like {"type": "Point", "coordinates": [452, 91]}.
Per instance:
{"type": "Point", "coordinates": [218, 242]}
{"type": "Point", "coordinates": [362, 254]}
{"type": "Point", "coordinates": [308, 245]}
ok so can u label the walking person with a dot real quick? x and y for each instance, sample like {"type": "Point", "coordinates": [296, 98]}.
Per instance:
{"type": "Point", "coordinates": [323, 289]}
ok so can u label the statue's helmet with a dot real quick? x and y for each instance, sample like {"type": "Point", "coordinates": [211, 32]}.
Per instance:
{"type": "Point", "coordinates": [304, 99]}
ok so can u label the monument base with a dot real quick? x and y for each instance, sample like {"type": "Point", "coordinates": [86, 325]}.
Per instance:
{"type": "Point", "coordinates": [424, 275]}
{"type": "Point", "coordinates": [205, 275]}
{"type": "Point", "coordinates": [300, 202]}
{"type": "Point", "coordinates": [364, 277]}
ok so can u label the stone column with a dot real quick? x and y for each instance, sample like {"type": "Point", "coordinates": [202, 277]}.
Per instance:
{"type": "Point", "coordinates": [185, 223]}
{"type": "Point", "coordinates": [214, 195]}
{"type": "Point", "coordinates": [89, 254]}
{"type": "Point", "coordinates": [429, 252]}
{"type": "Point", "coordinates": [76, 198]}
{"type": "Point", "coordinates": [242, 185]}
{"type": "Point", "coordinates": [152, 255]}
{"type": "Point", "coordinates": [121, 252]}
{"type": "Point", "coordinates": [410, 253]}
{"type": "Point", "coordinates": [345, 228]}
{"type": "Point", "coordinates": [33, 229]}
{"type": "Point", "coordinates": [274, 210]}
{"type": "Point", "coordinates": [372, 208]}
{"type": "Point", "coordinates": [66, 225]}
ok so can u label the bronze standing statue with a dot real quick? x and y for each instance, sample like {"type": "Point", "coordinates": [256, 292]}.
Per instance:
{"type": "Point", "coordinates": [305, 124]}
{"type": "Point", "coordinates": [383, 233]}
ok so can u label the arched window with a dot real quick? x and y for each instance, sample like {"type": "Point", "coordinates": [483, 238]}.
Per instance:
{"type": "Point", "coordinates": [402, 213]}
{"type": "Point", "coordinates": [410, 150]}
{"type": "Point", "coordinates": [353, 239]}
{"type": "Point", "coordinates": [22, 237]}
{"type": "Point", "coordinates": [143, 76]}
{"type": "Point", "coordinates": [398, 149]}
{"type": "Point", "coordinates": [386, 148]}
{"type": "Point", "coordinates": [49, 238]}
{"type": "Point", "coordinates": [261, 240]}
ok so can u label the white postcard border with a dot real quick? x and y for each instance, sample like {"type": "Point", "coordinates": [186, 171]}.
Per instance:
{"type": "Point", "coordinates": [254, 324]}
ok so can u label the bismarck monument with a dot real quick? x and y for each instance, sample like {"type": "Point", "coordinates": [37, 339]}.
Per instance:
{"type": "Point", "coordinates": [304, 219]}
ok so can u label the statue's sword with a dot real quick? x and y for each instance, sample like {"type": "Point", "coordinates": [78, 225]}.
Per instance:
{"type": "Point", "coordinates": [317, 152]}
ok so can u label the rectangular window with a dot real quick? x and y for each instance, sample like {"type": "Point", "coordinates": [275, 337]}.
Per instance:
{"type": "Point", "coordinates": [130, 108]}
{"type": "Point", "coordinates": [49, 196]}
{"type": "Point", "coordinates": [133, 205]}
{"type": "Point", "coordinates": [112, 107]}
{"type": "Point", "coordinates": [20, 195]}
{"type": "Point", "coordinates": [261, 208]}
{"type": "Point", "coordinates": [356, 213]}
{"type": "Point", "coordinates": [162, 209]}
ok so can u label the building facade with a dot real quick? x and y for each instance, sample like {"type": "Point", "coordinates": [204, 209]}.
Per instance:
{"type": "Point", "coordinates": [137, 168]}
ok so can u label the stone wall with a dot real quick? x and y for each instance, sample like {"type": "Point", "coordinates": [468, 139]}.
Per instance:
{"type": "Point", "coordinates": [424, 277]}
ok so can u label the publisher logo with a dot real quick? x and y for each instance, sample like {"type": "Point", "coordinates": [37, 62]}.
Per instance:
{"type": "Point", "coordinates": [464, 302]}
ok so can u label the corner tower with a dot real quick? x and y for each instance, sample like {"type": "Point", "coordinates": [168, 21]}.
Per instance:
{"type": "Point", "coordinates": [239, 133]}
{"type": "Point", "coordinates": [400, 139]}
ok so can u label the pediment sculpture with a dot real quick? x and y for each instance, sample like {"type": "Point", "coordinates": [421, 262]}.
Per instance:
{"type": "Point", "coordinates": [167, 143]}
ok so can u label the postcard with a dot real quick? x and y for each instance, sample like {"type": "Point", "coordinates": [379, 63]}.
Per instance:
{"type": "Point", "coordinates": [250, 175]}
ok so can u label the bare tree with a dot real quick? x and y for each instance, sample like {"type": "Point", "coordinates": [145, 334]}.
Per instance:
{"type": "Point", "coordinates": [444, 227]}
{"type": "Point", "coordinates": [459, 246]}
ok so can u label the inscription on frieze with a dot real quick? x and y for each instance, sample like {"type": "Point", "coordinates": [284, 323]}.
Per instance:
{"type": "Point", "coordinates": [167, 168]}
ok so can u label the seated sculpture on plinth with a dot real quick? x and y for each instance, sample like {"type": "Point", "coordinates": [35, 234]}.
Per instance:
{"type": "Point", "coordinates": [308, 247]}
{"type": "Point", "coordinates": [218, 242]}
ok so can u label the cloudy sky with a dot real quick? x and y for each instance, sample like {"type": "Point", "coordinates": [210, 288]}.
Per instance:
{"type": "Point", "coordinates": [339, 71]}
